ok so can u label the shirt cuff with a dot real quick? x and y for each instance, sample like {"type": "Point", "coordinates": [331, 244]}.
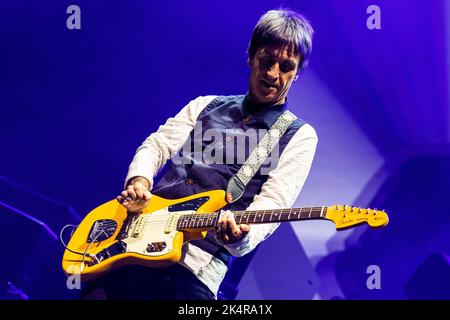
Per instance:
{"type": "Point", "coordinates": [133, 174]}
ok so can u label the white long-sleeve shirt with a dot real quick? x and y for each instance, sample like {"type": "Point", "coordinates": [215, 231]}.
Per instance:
{"type": "Point", "coordinates": [281, 189]}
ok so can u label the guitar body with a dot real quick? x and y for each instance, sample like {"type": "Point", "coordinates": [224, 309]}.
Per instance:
{"type": "Point", "coordinates": [111, 237]}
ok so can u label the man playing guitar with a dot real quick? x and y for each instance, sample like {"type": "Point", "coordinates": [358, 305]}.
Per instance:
{"type": "Point", "coordinates": [278, 52]}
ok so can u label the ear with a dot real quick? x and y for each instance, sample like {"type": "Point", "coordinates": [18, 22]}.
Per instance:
{"type": "Point", "coordinates": [249, 61]}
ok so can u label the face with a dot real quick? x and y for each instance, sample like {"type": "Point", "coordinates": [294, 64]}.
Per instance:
{"type": "Point", "coordinates": [272, 71]}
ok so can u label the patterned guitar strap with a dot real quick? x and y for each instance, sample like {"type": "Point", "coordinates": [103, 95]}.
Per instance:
{"type": "Point", "coordinates": [239, 181]}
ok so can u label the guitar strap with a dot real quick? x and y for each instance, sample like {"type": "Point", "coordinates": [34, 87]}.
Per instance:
{"type": "Point", "coordinates": [238, 182]}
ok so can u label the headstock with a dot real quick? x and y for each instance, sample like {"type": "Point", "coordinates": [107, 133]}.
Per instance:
{"type": "Point", "coordinates": [346, 216]}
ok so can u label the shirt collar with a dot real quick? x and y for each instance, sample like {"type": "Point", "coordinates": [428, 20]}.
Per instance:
{"type": "Point", "coordinates": [262, 111]}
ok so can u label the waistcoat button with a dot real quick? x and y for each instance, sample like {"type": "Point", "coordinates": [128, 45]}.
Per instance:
{"type": "Point", "coordinates": [247, 119]}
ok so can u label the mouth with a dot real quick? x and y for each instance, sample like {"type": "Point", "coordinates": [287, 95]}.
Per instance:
{"type": "Point", "coordinates": [267, 85]}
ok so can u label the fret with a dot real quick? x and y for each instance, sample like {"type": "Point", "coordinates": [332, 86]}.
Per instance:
{"type": "Point", "coordinates": [243, 216]}
{"type": "Point", "coordinates": [317, 213]}
{"type": "Point", "coordinates": [309, 215]}
{"type": "Point", "coordinates": [271, 214]}
{"type": "Point", "coordinates": [188, 220]}
{"type": "Point", "coordinates": [289, 216]}
{"type": "Point", "coordinates": [286, 215]}
{"type": "Point", "coordinates": [249, 215]}
{"type": "Point", "coordinates": [277, 214]}
{"type": "Point", "coordinates": [197, 220]}
{"type": "Point", "coordinates": [296, 213]}
{"type": "Point", "coordinates": [263, 216]}
{"type": "Point", "coordinates": [212, 220]}
{"type": "Point", "coordinates": [283, 215]}
{"type": "Point", "coordinates": [321, 212]}
{"type": "Point", "coordinates": [208, 220]}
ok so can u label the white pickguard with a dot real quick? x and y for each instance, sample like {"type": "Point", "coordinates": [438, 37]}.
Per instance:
{"type": "Point", "coordinates": [151, 228]}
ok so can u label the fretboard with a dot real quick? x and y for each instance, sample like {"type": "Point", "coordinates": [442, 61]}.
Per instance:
{"type": "Point", "coordinates": [209, 220]}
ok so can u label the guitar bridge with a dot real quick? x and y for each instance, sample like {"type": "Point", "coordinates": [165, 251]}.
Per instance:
{"type": "Point", "coordinates": [114, 249]}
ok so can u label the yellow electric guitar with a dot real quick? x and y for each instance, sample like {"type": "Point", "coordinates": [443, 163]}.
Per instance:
{"type": "Point", "coordinates": [110, 237]}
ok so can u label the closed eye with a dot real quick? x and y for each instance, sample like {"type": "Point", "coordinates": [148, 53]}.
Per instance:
{"type": "Point", "coordinates": [287, 67]}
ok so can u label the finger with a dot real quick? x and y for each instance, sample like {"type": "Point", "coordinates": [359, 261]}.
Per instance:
{"type": "Point", "coordinates": [147, 195]}
{"type": "Point", "coordinates": [138, 188]}
{"type": "Point", "coordinates": [125, 195]}
{"type": "Point", "coordinates": [232, 227]}
{"type": "Point", "coordinates": [245, 228]}
{"type": "Point", "coordinates": [139, 193]}
{"type": "Point", "coordinates": [233, 232]}
{"type": "Point", "coordinates": [222, 222]}
{"type": "Point", "coordinates": [221, 227]}
{"type": "Point", "coordinates": [131, 192]}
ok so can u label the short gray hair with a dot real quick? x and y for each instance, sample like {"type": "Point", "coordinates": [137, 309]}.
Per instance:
{"type": "Point", "coordinates": [283, 27]}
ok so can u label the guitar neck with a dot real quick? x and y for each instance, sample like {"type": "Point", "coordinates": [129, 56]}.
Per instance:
{"type": "Point", "coordinates": [209, 220]}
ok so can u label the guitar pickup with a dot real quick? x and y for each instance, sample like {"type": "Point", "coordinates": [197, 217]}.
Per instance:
{"type": "Point", "coordinates": [170, 223]}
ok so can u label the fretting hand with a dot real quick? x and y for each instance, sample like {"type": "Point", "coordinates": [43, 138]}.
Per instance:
{"type": "Point", "coordinates": [228, 231]}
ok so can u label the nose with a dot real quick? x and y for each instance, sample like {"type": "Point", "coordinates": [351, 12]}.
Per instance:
{"type": "Point", "coordinates": [273, 71]}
